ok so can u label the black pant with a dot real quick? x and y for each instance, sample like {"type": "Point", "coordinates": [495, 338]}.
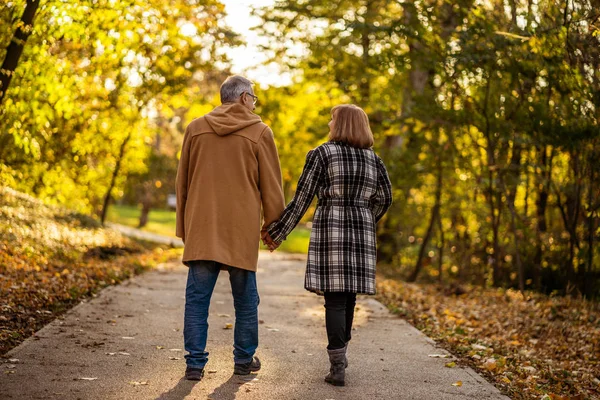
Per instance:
{"type": "Point", "coordinates": [339, 314]}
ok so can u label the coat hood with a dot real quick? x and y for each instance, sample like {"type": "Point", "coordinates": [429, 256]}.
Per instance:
{"type": "Point", "coordinates": [230, 117]}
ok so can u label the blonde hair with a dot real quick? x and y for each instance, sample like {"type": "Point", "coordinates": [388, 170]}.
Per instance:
{"type": "Point", "coordinates": [351, 125]}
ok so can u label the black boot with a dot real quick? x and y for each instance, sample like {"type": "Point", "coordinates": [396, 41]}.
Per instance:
{"type": "Point", "coordinates": [346, 356]}
{"type": "Point", "coordinates": [337, 372]}
{"type": "Point", "coordinates": [345, 359]}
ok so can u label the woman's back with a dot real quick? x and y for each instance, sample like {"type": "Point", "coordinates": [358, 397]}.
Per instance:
{"type": "Point", "coordinates": [348, 173]}
{"type": "Point", "coordinates": [354, 192]}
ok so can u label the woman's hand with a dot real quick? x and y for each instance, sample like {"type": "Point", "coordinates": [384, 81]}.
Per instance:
{"type": "Point", "coordinates": [268, 241]}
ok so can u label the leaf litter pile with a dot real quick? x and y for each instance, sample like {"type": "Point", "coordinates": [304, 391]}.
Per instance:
{"type": "Point", "coordinates": [52, 258]}
{"type": "Point", "coordinates": [532, 346]}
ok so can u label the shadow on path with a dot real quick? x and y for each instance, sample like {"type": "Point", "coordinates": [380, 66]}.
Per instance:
{"type": "Point", "coordinates": [182, 389]}
{"type": "Point", "coordinates": [230, 387]}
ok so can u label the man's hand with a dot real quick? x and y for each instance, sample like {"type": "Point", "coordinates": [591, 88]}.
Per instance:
{"type": "Point", "coordinates": [268, 241]}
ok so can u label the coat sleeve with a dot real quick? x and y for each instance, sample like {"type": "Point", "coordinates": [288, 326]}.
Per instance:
{"type": "Point", "coordinates": [181, 185]}
{"type": "Point", "coordinates": [382, 199]}
{"type": "Point", "coordinates": [269, 178]}
{"type": "Point", "coordinates": [305, 192]}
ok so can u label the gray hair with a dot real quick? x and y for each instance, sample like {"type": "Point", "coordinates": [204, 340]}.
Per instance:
{"type": "Point", "coordinates": [233, 87]}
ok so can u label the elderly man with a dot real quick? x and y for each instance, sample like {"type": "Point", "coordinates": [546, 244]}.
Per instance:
{"type": "Point", "coordinates": [228, 168]}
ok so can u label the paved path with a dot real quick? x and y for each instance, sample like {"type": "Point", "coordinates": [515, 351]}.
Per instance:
{"type": "Point", "coordinates": [128, 343]}
{"type": "Point", "coordinates": [144, 235]}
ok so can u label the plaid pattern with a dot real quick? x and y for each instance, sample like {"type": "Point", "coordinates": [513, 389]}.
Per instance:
{"type": "Point", "coordinates": [354, 192]}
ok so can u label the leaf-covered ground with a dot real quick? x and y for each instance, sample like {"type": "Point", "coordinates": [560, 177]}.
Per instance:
{"type": "Point", "coordinates": [531, 346]}
{"type": "Point", "coordinates": [52, 258]}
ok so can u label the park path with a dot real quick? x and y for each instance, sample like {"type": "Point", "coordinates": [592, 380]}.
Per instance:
{"type": "Point", "coordinates": [144, 235]}
{"type": "Point", "coordinates": [127, 343]}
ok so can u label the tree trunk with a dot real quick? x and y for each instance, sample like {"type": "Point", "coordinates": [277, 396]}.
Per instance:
{"type": "Point", "coordinates": [590, 240]}
{"type": "Point", "coordinates": [514, 174]}
{"type": "Point", "coordinates": [146, 207]}
{"type": "Point", "coordinates": [513, 14]}
{"type": "Point", "coordinates": [494, 196]}
{"type": "Point", "coordinates": [15, 48]}
{"type": "Point", "coordinates": [543, 184]}
{"type": "Point", "coordinates": [440, 249]}
{"type": "Point", "coordinates": [569, 211]}
{"type": "Point", "coordinates": [113, 180]}
{"type": "Point", "coordinates": [435, 211]}
{"type": "Point", "coordinates": [365, 82]}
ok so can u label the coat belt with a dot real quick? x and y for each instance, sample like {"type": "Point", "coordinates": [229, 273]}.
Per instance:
{"type": "Point", "coordinates": [343, 202]}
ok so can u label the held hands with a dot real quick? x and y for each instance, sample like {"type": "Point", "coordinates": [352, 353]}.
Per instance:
{"type": "Point", "coordinates": [267, 240]}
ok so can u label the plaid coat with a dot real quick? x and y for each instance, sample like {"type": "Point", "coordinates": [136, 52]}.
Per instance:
{"type": "Point", "coordinates": [354, 192]}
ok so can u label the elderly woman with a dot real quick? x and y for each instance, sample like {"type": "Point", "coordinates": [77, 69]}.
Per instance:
{"type": "Point", "coordinates": [354, 192]}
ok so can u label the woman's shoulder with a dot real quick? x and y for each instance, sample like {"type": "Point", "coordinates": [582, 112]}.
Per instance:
{"type": "Point", "coordinates": [333, 148]}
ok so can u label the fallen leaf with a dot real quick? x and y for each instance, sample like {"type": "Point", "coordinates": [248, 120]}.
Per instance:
{"type": "Point", "coordinates": [174, 358]}
{"type": "Point", "coordinates": [558, 397]}
{"type": "Point", "coordinates": [174, 349]}
{"type": "Point", "coordinates": [224, 315]}
{"type": "Point", "coordinates": [87, 379]}
{"type": "Point", "coordinates": [159, 347]}
{"type": "Point", "coordinates": [124, 354]}
{"type": "Point", "coordinates": [273, 329]}
{"type": "Point", "coordinates": [127, 337]}
{"type": "Point", "coordinates": [228, 326]}
{"type": "Point", "coordinates": [135, 383]}
{"type": "Point", "coordinates": [490, 364]}
{"type": "Point", "coordinates": [451, 364]}
{"type": "Point", "coordinates": [440, 355]}
{"type": "Point", "coordinates": [505, 379]}
{"type": "Point", "coordinates": [457, 383]}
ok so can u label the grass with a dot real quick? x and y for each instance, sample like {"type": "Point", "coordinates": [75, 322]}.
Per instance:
{"type": "Point", "coordinates": [163, 222]}
{"type": "Point", "coordinates": [159, 221]}
{"type": "Point", "coordinates": [296, 242]}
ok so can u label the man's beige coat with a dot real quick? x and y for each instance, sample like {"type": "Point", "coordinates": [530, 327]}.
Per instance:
{"type": "Point", "coordinates": [228, 168]}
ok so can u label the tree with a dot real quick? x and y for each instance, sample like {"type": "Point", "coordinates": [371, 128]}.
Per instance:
{"type": "Point", "coordinates": [17, 43]}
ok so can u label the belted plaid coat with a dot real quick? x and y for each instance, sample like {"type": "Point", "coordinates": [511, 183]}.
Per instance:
{"type": "Point", "coordinates": [354, 192]}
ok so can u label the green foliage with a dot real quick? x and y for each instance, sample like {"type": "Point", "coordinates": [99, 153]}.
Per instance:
{"type": "Point", "coordinates": [486, 114]}
{"type": "Point", "coordinates": [93, 76]}
{"type": "Point", "coordinates": [492, 105]}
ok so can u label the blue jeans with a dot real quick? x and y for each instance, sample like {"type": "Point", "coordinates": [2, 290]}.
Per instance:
{"type": "Point", "coordinates": [202, 277]}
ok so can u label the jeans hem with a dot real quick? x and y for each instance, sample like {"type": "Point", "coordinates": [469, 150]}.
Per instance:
{"type": "Point", "coordinates": [195, 365]}
{"type": "Point", "coordinates": [243, 361]}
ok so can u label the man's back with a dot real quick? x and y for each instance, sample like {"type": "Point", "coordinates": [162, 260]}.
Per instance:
{"type": "Point", "coordinates": [228, 167]}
